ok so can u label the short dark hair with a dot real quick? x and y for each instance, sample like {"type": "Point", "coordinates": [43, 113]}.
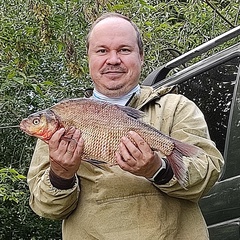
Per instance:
{"type": "Point", "coordinates": [113, 14]}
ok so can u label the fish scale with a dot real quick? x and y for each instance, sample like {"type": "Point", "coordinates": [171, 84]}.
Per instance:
{"type": "Point", "coordinates": [102, 126]}
{"type": "Point", "coordinates": [110, 130]}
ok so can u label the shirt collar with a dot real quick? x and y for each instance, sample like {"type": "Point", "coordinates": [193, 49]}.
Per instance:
{"type": "Point", "coordinates": [118, 100]}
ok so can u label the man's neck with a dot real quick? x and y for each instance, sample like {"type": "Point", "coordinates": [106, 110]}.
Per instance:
{"type": "Point", "coordinates": [118, 100]}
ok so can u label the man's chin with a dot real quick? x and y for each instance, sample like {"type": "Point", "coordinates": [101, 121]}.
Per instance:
{"type": "Point", "coordinates": [114, 84]}
{"type": "Point", "coordinates": [116, 91]}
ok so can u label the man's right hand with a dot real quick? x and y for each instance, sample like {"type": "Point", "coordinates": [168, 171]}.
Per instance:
{"type": "Point", "coordinates": [65, 152]}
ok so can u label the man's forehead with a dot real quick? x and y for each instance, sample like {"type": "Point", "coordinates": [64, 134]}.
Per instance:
{"type": "Point", "coordinates": [112, 20]}
{"type": "Point", "coordinates": [113, 23]}
{"type": "Point", "coordinates": [113, 32]}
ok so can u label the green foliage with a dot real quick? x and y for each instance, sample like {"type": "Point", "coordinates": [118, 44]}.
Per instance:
{"type": "Point", "coordinates": [8, 177]}
{"type": "Point", "coordinates": [16, 218]}
{"type": "Point", "coordinates": [43, 59]}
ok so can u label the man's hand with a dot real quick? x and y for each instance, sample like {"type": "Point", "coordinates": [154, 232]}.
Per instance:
{"type": "Point", "coordinates": [65, 152]}
{"type": "Point", "coordinates": [136, 156]}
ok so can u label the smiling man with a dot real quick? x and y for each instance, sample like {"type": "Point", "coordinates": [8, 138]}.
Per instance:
{"type": "Point", "coordinates": [139, 198]}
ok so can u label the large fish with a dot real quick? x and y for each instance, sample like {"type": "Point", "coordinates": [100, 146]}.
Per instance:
{"type": "Point", "coordinates": [102, 125]}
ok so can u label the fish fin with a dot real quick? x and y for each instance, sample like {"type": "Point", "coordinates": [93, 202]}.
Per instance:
{"type": "Point", "coordinates": [179, 168]}
{"type": "Point", "coordinates": [131, 112]}
{"type": "Point", "coordinates": [45, 140]}
{"type": "Point", "coordinates": [96, 163]}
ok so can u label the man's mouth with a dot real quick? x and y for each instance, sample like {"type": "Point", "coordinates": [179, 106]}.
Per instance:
{"type": "Point", "coordinates": [109, 70]}
{"type": "Point", "coordinates": [113, 72]}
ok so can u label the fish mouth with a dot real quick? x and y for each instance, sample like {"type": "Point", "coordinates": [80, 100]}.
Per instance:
{"type": "Point", "coordinates": [22, 125]}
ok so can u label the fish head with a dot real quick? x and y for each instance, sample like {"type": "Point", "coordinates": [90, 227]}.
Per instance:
{"type": "Point", "coordinates": [41, 125]}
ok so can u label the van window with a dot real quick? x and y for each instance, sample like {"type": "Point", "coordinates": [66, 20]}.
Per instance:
{"type": "Point", "coordinates": [232, 148]}
{"type": "Point", "coordinates": [212, 91]}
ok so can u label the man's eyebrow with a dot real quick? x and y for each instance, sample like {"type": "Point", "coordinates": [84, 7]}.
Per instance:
{"type": "Point", "coordinates": [118, 47]}
{"type": "Point", "coordinates": [125, 45]}
{"type": "Point", "coordinates": [100, 46]}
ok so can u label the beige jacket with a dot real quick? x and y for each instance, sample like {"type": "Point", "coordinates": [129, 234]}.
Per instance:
{"type": "Point", "coordinates": [111, 204]}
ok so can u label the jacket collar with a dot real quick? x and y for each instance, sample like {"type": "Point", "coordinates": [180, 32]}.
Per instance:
{"type": "Point", "coordinates": [148, 94]}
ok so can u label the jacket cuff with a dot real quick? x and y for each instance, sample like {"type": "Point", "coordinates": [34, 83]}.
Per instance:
{"type": "Point", "coordinates": [61, 183]}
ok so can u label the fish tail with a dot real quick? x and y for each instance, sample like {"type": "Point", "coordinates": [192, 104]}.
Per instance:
{"type": "Point", "coordinates": [175, 159]}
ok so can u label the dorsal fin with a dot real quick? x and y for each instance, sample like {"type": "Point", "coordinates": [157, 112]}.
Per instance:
{"type": "Point", "coordinates": [132, 112]}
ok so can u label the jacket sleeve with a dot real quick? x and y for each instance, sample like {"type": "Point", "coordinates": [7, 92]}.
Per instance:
{"type": "Point", "coordinates": [43, 194]}
{"type": "Point", "coordinates": [181, 119]}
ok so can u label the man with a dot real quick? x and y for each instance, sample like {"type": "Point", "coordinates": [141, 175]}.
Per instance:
{"type": "Point", "coordinates": [140, 197]}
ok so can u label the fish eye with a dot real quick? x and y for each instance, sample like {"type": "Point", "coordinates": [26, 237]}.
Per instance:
{"type": "Point", "coordinates": [36, 121]}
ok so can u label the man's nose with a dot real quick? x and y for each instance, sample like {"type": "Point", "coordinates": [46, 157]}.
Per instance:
{"type": "Point", "coordinates": [113, 58]}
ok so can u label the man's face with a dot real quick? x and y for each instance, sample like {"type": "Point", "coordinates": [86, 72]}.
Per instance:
{"type": "Point", "coordinates": [114, 58]}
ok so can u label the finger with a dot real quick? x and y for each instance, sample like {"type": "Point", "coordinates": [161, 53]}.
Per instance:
{"type": "Point", "coordinates": [121, 162]}
{"type": "Point", "coordinates": [140, 143]}
{"type": "Point", "coordinates": [79, 148]}
{"type": "Point", "coordinates": [69, 133]}
{"type": "Point", "coordinates": [129, 150]}
{"type": "Point", "coordinates": [74, 141]}
{"type": "Point", "coordinates": [126, 150]}
{"type": "Point", "coordinates": [55, 139]}
{"type": "Point", "coordinates": [66, 139]}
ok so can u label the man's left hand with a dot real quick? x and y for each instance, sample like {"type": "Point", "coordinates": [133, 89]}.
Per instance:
{"type": "Point", "coordinates": [136, 156]}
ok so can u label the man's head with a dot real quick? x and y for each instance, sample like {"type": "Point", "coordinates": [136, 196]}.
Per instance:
{"type": "Point", "coordinates": [112, 14]}
{"type": "Point", "coordinates": [115, 51]}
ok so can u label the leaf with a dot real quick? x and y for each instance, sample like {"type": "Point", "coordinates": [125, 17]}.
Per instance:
{"type": "Point", "coordinates": [145, 4]}
{"type": "Point", "coordinates": [11, 74]}
{"type": "Point", "coordinates": [60, 47]}
{"type": "Point", "coordinates": [48, 83]}
{"type": "Point", "coordinates": [22, 74]}
{"type": "Point", "coordinates": [18, 80]}
{"type": "Point", "coordinates": [36, 88]}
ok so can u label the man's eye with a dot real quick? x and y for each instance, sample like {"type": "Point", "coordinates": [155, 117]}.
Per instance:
{"type": "Point", "coordinates": [101, 51]}
{"type": "Point", "coordinates": [125, 51]}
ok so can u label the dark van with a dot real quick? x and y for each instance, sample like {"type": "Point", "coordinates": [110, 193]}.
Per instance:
{"type": "Point", "coordinates": [214, 85]}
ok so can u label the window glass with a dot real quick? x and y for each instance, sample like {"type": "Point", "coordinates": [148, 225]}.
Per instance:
{"type": "Point", "coordinates": [212, 91]}
{"type": "Point", "coordinates": [232, 154]}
